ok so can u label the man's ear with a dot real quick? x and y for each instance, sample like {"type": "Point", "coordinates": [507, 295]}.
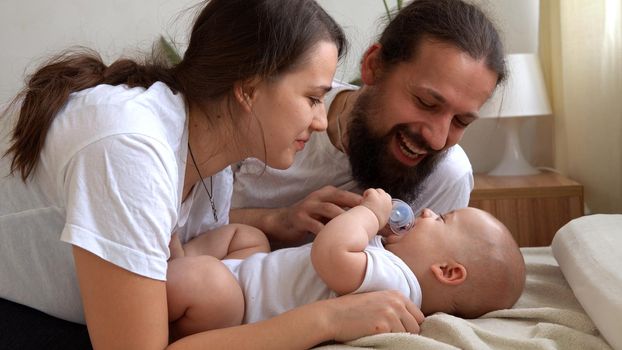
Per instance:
{"type": "Point", "coordinates": [370, 65]}
{"type": "Point", "coordinates": [451, 273]}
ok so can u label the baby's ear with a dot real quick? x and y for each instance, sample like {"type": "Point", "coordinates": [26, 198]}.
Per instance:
{"type": "Point", "coordinates": [451, 273]}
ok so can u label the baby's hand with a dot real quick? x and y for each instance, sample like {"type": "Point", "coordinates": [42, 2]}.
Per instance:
{"type": "Point", "coordinates": [379, 202]}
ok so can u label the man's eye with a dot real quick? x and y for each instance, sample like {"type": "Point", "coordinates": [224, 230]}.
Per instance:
{"type": "Point", "coordinates": [424, 104]}
{"type": "Point", "coordinates": [460, 122]}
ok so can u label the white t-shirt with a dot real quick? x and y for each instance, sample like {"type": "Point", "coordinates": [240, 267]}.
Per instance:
{"type": "Point", "coordinates": [285, 279]}
{"type": "Point", "coordinates": [109, 180]}
{"type": "Point", "coordinates": [320, 163]}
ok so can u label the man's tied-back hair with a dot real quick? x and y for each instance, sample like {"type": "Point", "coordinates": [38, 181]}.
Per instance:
{"type": "Point", "coordinates": [451, 21]}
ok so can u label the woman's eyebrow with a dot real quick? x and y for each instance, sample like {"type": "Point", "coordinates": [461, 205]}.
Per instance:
{"type": "Point", "coordinates": [323, 88]}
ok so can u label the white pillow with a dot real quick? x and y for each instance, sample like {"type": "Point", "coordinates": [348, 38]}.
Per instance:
{"type": "Point", "coordinates": [589, 252]}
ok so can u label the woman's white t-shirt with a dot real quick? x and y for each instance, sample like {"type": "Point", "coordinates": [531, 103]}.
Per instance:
{"type": "Point", "coordinates": [109, 180]}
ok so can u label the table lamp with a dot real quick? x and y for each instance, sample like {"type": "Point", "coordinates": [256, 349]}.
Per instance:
{"type": "Point", "coordinates": [523, 95]}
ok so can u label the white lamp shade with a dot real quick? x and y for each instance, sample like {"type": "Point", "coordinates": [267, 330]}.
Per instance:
{"type": "Point", "coordinates": [523, 95]}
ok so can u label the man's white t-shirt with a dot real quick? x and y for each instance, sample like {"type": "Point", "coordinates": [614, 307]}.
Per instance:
{"type": "Point", "coordinates": [320, 163]}
{"type": "Point", "coordinates": [109, 180]}
{"type": "Point", "coordinates": [284, 279]}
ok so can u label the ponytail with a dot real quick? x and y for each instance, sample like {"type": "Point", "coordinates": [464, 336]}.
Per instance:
{"type": "Point", "coordinates": [48, 89]}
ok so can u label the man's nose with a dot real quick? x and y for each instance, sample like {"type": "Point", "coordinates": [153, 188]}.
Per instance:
{"type": "Point", "coordinates": [436, 132]}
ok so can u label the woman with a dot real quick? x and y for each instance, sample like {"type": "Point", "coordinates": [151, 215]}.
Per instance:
{"type": "Point", "coordinates": [114, 160]}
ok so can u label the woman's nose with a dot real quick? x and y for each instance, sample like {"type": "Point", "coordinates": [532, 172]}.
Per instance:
{"type": "Point", "coordinates": [320, 121]}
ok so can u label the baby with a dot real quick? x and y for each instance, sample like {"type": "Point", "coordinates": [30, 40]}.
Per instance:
{"type": "Point", "coordinates": [464, 263]}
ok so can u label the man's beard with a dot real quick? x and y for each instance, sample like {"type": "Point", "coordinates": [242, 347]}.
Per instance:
{"type": "Point", "coordinates": [373, 166]}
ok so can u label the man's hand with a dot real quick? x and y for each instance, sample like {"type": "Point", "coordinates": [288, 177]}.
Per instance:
{"type": "Point", "coordinates": [310, 214]}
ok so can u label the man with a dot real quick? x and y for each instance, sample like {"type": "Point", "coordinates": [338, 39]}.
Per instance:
{"type": "Point", "coordinates": [424, 81]}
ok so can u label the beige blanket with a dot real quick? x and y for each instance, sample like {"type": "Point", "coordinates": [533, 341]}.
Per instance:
{"type": "Point", "coordinates": [547, 316]}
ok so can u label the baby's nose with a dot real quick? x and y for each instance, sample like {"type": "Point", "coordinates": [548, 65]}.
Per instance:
{"type": "Point", "coordinates": [428, 213]}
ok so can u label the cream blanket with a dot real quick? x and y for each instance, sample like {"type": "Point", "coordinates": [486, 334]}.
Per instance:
{"type": "Point", "coordinates": [547, 316]}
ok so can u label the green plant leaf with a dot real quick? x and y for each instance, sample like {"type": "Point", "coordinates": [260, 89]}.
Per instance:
{"type": "Point", "coordinates": [386, 8]}
{"type": "Point", "coordinates": [169, 51]}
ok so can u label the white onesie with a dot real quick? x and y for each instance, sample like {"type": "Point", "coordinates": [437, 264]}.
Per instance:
{"type": "Point", "coordinates": [285, 279]}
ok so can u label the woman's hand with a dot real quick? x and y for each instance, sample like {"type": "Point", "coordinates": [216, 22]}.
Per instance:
{"type": "Point", "coordinates": [358, 315]}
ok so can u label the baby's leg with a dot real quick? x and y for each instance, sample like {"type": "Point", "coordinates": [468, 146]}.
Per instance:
{"type": "Point", "coordinates": [233, 241]}
{"type": "Point", "coordinates": [202, 294]}
{"type": "Point", "coordinates": [246, 241]}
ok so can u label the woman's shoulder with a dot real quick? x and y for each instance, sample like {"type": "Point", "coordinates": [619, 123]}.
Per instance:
{"type": "Point", "coordinates": [153, 115]}
{"type": "Point", "coordinates": [106, 110]}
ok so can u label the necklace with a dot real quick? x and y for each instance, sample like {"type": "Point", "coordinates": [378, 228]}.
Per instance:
{"type": "Point", "coordinates": [345, 105]}
{"type": "Point", "coordinates": [209, 193]}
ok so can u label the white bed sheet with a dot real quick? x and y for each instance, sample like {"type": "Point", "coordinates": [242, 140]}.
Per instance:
{"type": "Point", "coordinates": [546, 317]}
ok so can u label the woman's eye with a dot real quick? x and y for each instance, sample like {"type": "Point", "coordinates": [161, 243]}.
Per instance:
{"type": "Point", "coordinates": [314, 101]}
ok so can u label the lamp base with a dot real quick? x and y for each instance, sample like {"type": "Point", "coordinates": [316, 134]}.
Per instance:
{"type": "Point", "coordinates": [513, 162]}
{"type": "Point", "coordinates": [513, 169]}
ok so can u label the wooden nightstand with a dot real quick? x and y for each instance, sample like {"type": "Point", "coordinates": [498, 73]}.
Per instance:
{"type": "Point", "coordinates": [533, 207]}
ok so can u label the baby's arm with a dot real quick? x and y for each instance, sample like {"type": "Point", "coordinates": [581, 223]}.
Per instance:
{"type": "Point", "coordinates": [233, 241]}
{"type": "Point", "coordinates": [338, 250]}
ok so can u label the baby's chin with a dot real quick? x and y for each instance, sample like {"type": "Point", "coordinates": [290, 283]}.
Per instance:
{"type": "Point", "coordinates": [392, 239]}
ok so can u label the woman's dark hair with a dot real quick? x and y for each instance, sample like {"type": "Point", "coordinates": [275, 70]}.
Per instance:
{"type": "Point", "coordinates": [231, 41]}
{"type": "Point", "coordinates": [452, 21]}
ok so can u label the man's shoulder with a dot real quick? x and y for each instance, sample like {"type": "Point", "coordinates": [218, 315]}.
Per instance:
{"type": "Point", "coordinates": [337, 87]}
{"type": "Point", "coordinates": [454, 165]}
{"type": "Point", "coordinates": [449, 185]}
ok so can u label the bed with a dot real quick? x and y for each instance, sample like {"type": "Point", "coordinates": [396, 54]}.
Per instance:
{"type": "Point", "coordinates": [572, 300]}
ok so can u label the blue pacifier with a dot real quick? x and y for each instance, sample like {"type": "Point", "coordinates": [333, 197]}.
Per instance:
{"type": "Point", "coordinates": [402, 217]}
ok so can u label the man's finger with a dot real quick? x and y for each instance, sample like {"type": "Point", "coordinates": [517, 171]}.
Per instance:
{"type": "Point", "coordinates": [345, 199]}
{"type": "Point", "coordinates": [329, 210]}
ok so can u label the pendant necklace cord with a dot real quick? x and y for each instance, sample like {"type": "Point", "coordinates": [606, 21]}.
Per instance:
{"type": "Point", "coordinates": [209, 192]}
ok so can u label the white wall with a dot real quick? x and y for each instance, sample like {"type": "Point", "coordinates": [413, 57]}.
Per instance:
{"type": "Point", "coordinates": [31, 31]}
{"type": "Point", "coordinates": [362, 21]}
